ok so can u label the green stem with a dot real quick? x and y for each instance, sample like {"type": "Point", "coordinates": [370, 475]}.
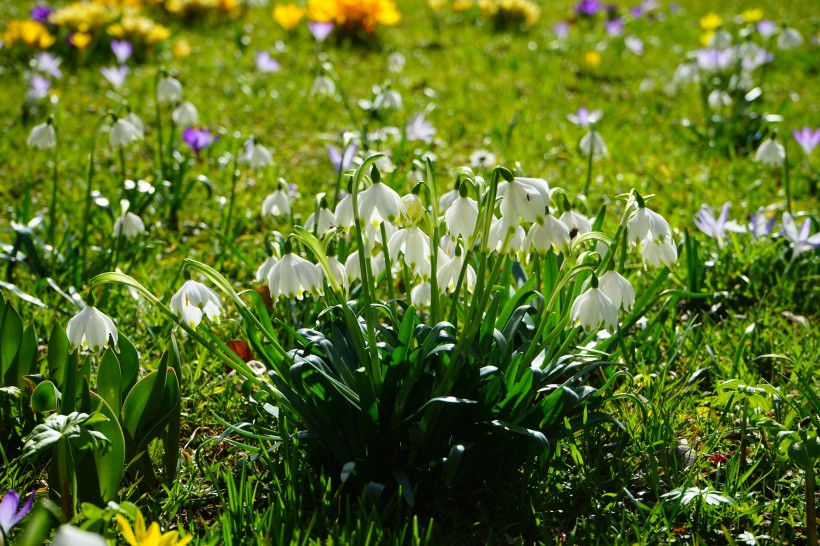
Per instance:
{"type": "Point", "coordinates": [589, 161]}
{"type": "Point", "coordinates": [87, 216]}
{"type": "Point", "coordinates": [52, 211]}
{"type": "Point", "coordinates": [787, 182]}
{"type": "Point", "coordinates": [811, 504]}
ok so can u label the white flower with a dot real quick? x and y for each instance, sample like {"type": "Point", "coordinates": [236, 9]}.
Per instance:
{"type": "Point", "coordinates": [593, 307]}
{"type": "Point", "coordinates": [128, 225]}
{"type": "Point", "coordinates": [192, 300]}
{"type": "Point", "coordinates": [395, 62]}
{"type": "Point", "coordinates": [42, 136]}
{"type": "Point", "coordinates": [461, 218]}
{"type": "Point", "coordinates": [546, 232]}
{"type": "Point", "coordinates": [422, 294]}
{"type": "Point", "coordinates": [327, 220]}
{"type": "Point", "coordinates": [789, 39]}
{"type": "Point", "coordinates": [134, 120]}
{"type": "Point", "coordinates": [414, 244]}
{"type": "Point", "coordinates": [344, 212]}
{"type": "Point", "coordinates": [647, 222]}
{"type": "Point", "coordinates": [660, 251]}
{"type": "Point", "coordinates": [594, 144]}
{"type": "Point", "coordinates": [323, 86]}
{"type": "Point", "coordinates": [339, 272]}
{"type": "Point", "coordinates": [447, 200]}
{"type": "Point", "coordinates": [169, 90]}
{"type": "Point", "coordinates": [577, 223]}
{"type": "Point", "coordinates": [257, 156]}
{"type": "Point", "coordinates": [123, 134]}
{"type": "Point", "coordinates": [506, 235]}
{"type": "Point", "coordinates": [448, 274]}
{"type": "Point", "coordinates": [801, 239]}
{"type": "Point", "coordinates": [389, 99]}
{"type": "Point", "coordinates": [277, 203]}
{"type": "Point", "coordinates": [719, 99]}
{"type": "Point", "coordinates": [293, 276]}
{"type": "Point", "coordinates": [264, 269]}
{"type": "Point", "coordinates": [482, 159]}
{"type": "Point", "coordinates": [90, 329]}
{"type": "Point", "coordinates": [185, 115]}
{"type": "Point", "coordinates": [617, 289]}
{"type": "Point", "coordinates": [354, 269]}
{"type": "Point", "coordinates": [770, 152]}
{"type": "Point", "coordinates": [379, 202]}
{"type": "Point", "coordinates": [686, 73]}
{"type": "Point", "coordinates": [413, 208]}
{"type": "Point", "coordinates": [525, 198]}
{"type": "Point", "coordinates": [721, 39]}
{"type": "Point", "coordinates": [71, 536]}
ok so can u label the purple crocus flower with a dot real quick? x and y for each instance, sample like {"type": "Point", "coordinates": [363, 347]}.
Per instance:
{"type": "Point", "coordinates": [636, 11]}
{"type": "Point", "coordinates": [49, 64]}
{"type": "Point", "coordinates": [715, 60]}
{"type": "Point", "coordinates": [561, 30]}
{"type": "Point", "coordinates": [584, 118]}
{"type": "Point", "coordinates": [293, 189]}
{"type": "Point", "coordinates": [320, 30]}
{"type": "Point", "coordinates": [38, 87]}
{"type": "Point", "coordinates": [115, 75]}
{"type": "Point", "coordinates": [800, 240]}
{"type": "Point", "coordinates": [197, 139]}
{"type": "Point", "coordinates": [11, 512]}
{"type": "Point", "coordinates": [122, 50]}
{"type": "Point", "coordinates": [588, 8]}
{"type": "Point", "coordinates": [807, 139]}
{"type": "Point", "coordinates": [767, 28]}
{"type": "Point", "coordinates": [759, 225]}
{"type": "Point", "coordinates": [615, 27]}
{"type": "Point", "coordinates": [342, 161]}
{"type": "Point", "coordinates": [420, 129]}
{"type": "Point", "coordinates": [265, 63]}
{"type": "Point", "coordinates": [41, 14]}
{"type": "Point", "coordinates": [716, 227]}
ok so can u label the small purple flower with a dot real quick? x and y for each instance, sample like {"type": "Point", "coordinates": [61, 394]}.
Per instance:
{"type": "Point", "coordinates": [807, 139]}
{"type": "Point", "coordinates": [38, 87]}
{"type": "Point", "coordinates": [115, 75]}
{"type": "Point", "coordinates": [122, 50]}
{"type": "Point", "coordinates": [584, 118]}
{"type": "Point", "coordinates": [49, 64]}
{"type": "Point", "coordinates": [759, 226]}
{"type": "Point", "coordinates": [634, 44]}
{"type": "Point", "coordinates": [197, 139]}
{"type": "Point", "coordinates": [265, 63]}
{"type": "Point", "coordinates": [11, 512]}
{"type": "Point", "coordinates": [767, 28]}
{"type": "Point", "coordinates": [615, 27]}
{"type": "Point", "coordinates": [41, 14]}
{"type": "Point", "coordinates": [636, 11]}
{"type": "Point", "coordinates": [320, 30]}
{"type": "Point", "coordinates": [716, 227]}
{"type": "Point", "coordinates": [561, 30]}
{"type": "Point", "coordinates": [292, 190]}
{"type": "Point", "coordinates": [800, 240]}
{"type": "Point", "coordinates": [588, 8]}
{"type": "Point", "coordinates": [420, 129]}
{"type": "Point", "coordinates": [342, 161]}
{"type": "Point", "coordinates": [715, 60]}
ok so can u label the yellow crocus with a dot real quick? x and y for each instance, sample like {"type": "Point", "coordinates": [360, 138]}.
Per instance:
{"type": "Point", "coordinates": [288, 15]}
{"type": "Point", "coordinates": [752, 15]}
{"type": "Point", "coordinates": [592, 59]}
{"type": "Point", "coordinates": [462, 5]}
{"type": "Point", "coordinates": [80, 40]}
{"type": "Point", "coordinates": [151, 536]}
{"type": "Point", "coordinates": [710, 21]}
{"type": "Point", "coordinates": [706, 38]}
{"type": "Point", "coordinates": [181, 49]}
{"type": "Point", "coordinates": [158, 33]}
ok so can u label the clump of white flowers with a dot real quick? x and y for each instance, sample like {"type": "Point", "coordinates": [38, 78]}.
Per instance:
{"type": "Point", "coordinates": [91, 329]}
{"type": "Point", "coordinates": [193, 300]}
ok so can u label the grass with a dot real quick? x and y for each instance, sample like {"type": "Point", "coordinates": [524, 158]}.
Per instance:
{"type": "Point", "coordinates": [242, 481]}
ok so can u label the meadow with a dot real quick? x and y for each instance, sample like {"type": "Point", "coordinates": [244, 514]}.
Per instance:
{"type": "Point", "coordinates": [412, 272]}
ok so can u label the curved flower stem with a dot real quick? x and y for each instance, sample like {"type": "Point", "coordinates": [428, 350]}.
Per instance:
{"type": "Point", "coordinates": [87, 215]}
{"type": "Point", "coordinates": [52, 210]}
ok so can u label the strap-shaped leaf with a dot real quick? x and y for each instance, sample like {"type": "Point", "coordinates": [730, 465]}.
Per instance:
{"type": "Point", "coordinates": [57, 354]}
{"type": "Point", "coordinates": [109, 381]}
{"type": "Point", "coordinates": [11, 337]}
{"type": "Point", "coordinates": [129, 365]}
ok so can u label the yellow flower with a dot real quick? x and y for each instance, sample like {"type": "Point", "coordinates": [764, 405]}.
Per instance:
{"type": "Point", "coordinates": [80, 40]}
{"type": "Point", "coordinates": [181, 49]}
{"type": "Point", "coordinates": [706, 38]}
{"type": "Point", "coordinates": [436, 5]}
{"type": "Point", "coordinates": [752, 15]}
{"type": "Point", "coordinates": [288, 15]}
{"type": "Point", "coordinates": [158, 33]}
{"type": "Point", "coordinates": [354, 15]}
{"type": "Point", "coordinates": [710, 21]}
{"type": "Point", "coordinates": [463, 5]}
{"type": "Point", "coordinates": [592, 59]}
{"type": "Point", "coordinates": [115, 30]}
{"type": "Point", "coordinates": [140, 536]}
{"type": "Point", "coordinates": [30, 33]}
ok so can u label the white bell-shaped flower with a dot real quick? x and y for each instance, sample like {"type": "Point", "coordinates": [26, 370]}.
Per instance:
{"type": "Point", "coordinates": [91, 329]}
{"type": "Point", "coordinates": [577, 223]}
{"type": "Point", "coordinates": [547, 232]}
{"type": "Point", "coordinates": [592, 143]}
{"type": "Point", "coordinates": [135, 120]}
{"type": "Point", "coordinates": [447, 200]}
{"type": "Point", "coordinates": [193, 300]}
{"type": "Point", "coordinates": [647, 222]}
{"type": "Point", "coordinates": [524, 198]}
{"type": "Point", "coordinates": [660, 251]}
{"type": "Point", "coordinates": [339, 272]}
{"type": "Point", "coordinates": [277, 203]}
{"type": "Point", "coordinates": [42, 137]}
{"type": "Point", "coordinates": [344, 212]}
{"type": "Point", "coordinates": [718, 100]}
{"type": "Point", "coordinates": [354, 269]}
{"type": "Point", "coordinates": [461, 218]}
{"type": "Point", "coordinates": [592, 308]}
{"type": "Point", "coordinates": [257, 156]}
{"type": "Point", "coordinates": [617, 289]}
{"type": "Point", "coordinates": [264, 269]}
{"type": "Point", "coordinates": [71, 536]}
{"type": "Point", "coordinates": [185, 115]}
{"type": "Point", "coordinates": [506, 235]}
{"type": "Point", "coordinates": [421, 295]}
{"type": "Point", "coordinates": [789, 38]}
{"type": "Point", "coordinates": [378, 203]}
{"type": "Point", "coordinates": [327, 220]}
{"type": "Point", "coordinates": [293, 277]}
{"type": "Point", "coordinates": [413, 208]}
{"type": "Point", "coordinates": [128, 225]}
{"type": "Point", "coordinates": [123, 134]}
{"type": "Point", "coordinates": [414, 244]}
{"type": "Point", "coordinates": [323, 86]}
{"type": "Point", "coordinates": [770, 152]}
{"type": "Point", "coordinates": [449, 272]}
{"type": "Point", "coordinates": [169, 90]}
{"type": "Point", "coordinates": [389, 99]}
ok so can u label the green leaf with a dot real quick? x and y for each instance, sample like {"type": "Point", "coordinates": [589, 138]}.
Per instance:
{"type": "Point", "coordinates": [58, 347]}
{"type": "Point", "coordinates": [129, 365]}
{"type": "Point", "coordinates": [69, 386]}
{"type": "Point", "coordinates": [11, 336]}
{"type": "Point", "coordinates": [45, 397]}
{"type": "Point", "coordinates": [27, 357]}
{"type": "Point", "coordinates": [109, 380]}
{"type": "Point", "coordinates": [110, 462]}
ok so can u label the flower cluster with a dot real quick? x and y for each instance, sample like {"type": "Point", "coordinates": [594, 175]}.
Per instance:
{"type": "Point", "coordinates": [199, 8]}
{"type": "Point", "coordinates": [510, 13]}
{"type": "Point", "coordinates": [354, 16]}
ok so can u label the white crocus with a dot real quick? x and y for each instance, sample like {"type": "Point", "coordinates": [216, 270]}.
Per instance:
{"type": "Point", "coordinates": [185, 115]}
{"type": "Point", "coordinates": [789, 38]}
{"type": "Point", "coordinates": [257, 156]}
{"type": "Point", "coordinates": [524, 198]}
{"type": "Point", "coordinates": [264, 269]}
{"type": "Point", "coordinates": [547, 231]}
{"type": "Point", "coordinates": [577, 223]}
{"type": "Point", "coordinates": [594, 144]}
{"type": "Point", "coordinates": [169, 90]}
{"type": "Point", "coordinates": [770, 152]}
{"type": "Point", "coordinates": [421, 294]}
{"type": "Point", "coordinates": [593, 307]}
{"type": "Point", "coordinates": [660, 251]}
{"type": "Point", "coordinates": [354, 269]}
{"type": "Point", "coordinates": [277, 203]}
{"type": "Point", "coordinates": [192, 300]}
{"type": "Point", "coordinates": [506, 235]}
{"type": "Point", "coordinates": [71, 536]}
{"type": "Point", "coordinates": [617, 289]}
{"type": "Point", "coordinates": [379, 202]}
{"type": "Point", "coordinates": [646, 222]}
{"type": "Point", "coordinates": [414, 244]}
{"type": "Point", "coordinates": [293, 277]}
{"type": "Point", "coordinates": [91, 329]}
{"type": "Point", "coordinates": [128, 225]}
{"type": "Point", "coordinates": [327, 220]}
{"type": "Point", "coordinates": [42, 137]}
{"type": "Point", "coordinates": [123, 134]}
{"type": "Point", "coordinates": [461, 218]}
{"type": "Point", "coordinates": [449, 272]}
